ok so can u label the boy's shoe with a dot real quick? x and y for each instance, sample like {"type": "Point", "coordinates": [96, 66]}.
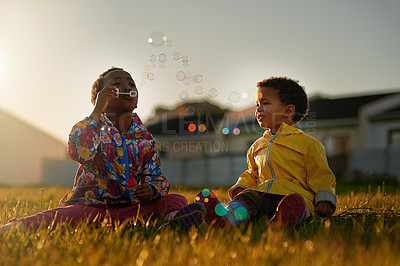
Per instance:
{"type": "Point", "coordinates": [290, 211]}
{"type": "Point", "coordinates": [233, 214]}
{"type": "Point", "coordinates": [190, 215]}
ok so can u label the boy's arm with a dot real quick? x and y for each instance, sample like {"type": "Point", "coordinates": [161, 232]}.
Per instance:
{"type": "Point", "coordinates": [84, 140]}
{"type": "Point", "coordinates": [248, 179]}
{"type": "Point", "coordinates": [320, 178]}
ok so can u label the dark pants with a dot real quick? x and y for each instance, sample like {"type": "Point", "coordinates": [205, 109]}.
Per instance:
{"type": "Point", "coordinates": [260, 204]}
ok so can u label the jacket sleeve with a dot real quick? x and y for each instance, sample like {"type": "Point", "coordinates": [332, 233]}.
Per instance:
{"type": "Point", "coordinates": [152, 171]}
{"type": "Point", "coordinates": [84, 140]}
{"type": "Point", "coordinates": [320, 178]}
{"type": "Point", "coordinates": [250, 177]}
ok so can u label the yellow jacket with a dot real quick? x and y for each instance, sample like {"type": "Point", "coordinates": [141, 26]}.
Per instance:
{"type": "Point", "coordinates": [289, 162]}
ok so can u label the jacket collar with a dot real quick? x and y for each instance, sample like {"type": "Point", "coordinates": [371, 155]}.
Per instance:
{"type": "Point", "coordinates": [284, 129]}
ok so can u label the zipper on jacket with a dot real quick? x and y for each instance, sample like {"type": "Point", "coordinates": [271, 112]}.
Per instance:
{"type": "Point", "coordinates": [126, 161]}
{"type": "Point", "coordinates": [269, 162]}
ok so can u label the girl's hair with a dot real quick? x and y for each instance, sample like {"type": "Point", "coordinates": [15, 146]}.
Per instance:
{"type": "Point", "coordinates": [290, 92]}
{"type": "Point", "coordinates": [98, 84]}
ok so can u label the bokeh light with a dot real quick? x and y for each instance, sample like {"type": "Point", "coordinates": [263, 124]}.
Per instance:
{"type": "Point", "coordinates": [236, 131]}
{"type": "Point", "coordinates": [206, 192]}
{"type": "Point", "coordinates": [240, 213]}
{"type": "Point", "coordinates": [202, 128]}
{"type": "Point", "coordinates": [245, 95]}
{"type": "Point", "coordinates": [220, 210]}
{"type": "Point", "coordinates": [192, 127]}
{"type": "Point", "coordinates": [225, 131]}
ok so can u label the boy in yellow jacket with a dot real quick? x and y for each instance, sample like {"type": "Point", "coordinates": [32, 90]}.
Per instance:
{"type": "Point", "coordinates": [288, 176]}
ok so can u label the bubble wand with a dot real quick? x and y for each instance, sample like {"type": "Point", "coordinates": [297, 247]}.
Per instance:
{"type": "Point", "coordinates": [132, 94]}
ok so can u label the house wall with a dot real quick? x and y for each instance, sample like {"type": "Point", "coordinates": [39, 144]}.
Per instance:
{"type": "Point", "coordinates": [22, 151]}
{"type": "Point", "coordinates": [379, 133]}
{"type": "Point", "coordinates": [204, 171]}
{"type": "Point", "coordinates": [376, 162]}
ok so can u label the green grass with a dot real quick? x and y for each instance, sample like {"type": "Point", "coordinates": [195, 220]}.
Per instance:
{"type": "Point", "coordinates": [365, 230]}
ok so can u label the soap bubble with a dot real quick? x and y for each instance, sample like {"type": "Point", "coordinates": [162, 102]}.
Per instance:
{"type": "Point", "coordinates": [190, 110]}
{"type": "Point", "coordinates": [157, 39]}
{"type": "Point", "coordinates": [245, 95]}
{"type": "Point", "coordinates": [162, 58]}
{"type": "Point", "coordinates": [153, 58]}
{"type": "Point", "coordinates": [234, 97]}
{"type": "Point", "coordinates": [169, 43]}
{"type": "Point", "coordinates": [180, 75]}
{"type": "Point", "coordinates": [199, 90]}
{"type": "Point", "coordinates": [198, 78]}
{"type": "Point", "coordinates": [185, 60]}
{"type": "Point", "coordinates": [187, 81]}
{"type": "Point", "coordinates": [150, 76]}
{"type": "Point", "coordinates": [213, 93]}
{"type": "Point", "coordinates": [176, 56]}
{"type": "Point", "coordinates": [162, 65]}
{"type": "Point", "coordinates": [184, 95]}
{"type": "Point", "coordinates": [144, 75]}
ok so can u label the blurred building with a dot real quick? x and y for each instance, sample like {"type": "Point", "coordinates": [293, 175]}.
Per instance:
{"type": "Point", "coordinates": [26, 151]}
{"type": "Point", "coordinates": [202, 144]}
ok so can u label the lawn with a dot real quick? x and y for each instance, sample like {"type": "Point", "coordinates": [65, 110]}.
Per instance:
{"type": "Point", "coordinates": [365, 230]}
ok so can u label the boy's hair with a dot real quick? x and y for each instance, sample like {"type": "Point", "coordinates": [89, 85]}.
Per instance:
{"type": "Point", "coordinates": [98, 84]}
{"type": "Point", "coordinates": [290, 92]}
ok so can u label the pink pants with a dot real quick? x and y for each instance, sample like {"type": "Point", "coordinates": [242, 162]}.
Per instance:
{"type": "Point", "coordinates": [80, 212]}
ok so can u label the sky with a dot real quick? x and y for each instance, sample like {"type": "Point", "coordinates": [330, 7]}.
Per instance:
{"type": "Point", "coordinates": [51, 51]}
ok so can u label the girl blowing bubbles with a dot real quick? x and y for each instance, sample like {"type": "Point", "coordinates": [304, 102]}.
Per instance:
{"type": "Point", "coordinates": [119, 164]}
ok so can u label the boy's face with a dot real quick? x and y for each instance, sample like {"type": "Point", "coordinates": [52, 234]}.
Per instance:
{"type": "Point", "coordinates": [124, 82]}
{"type": "Point", "coordinates": [270, 110]}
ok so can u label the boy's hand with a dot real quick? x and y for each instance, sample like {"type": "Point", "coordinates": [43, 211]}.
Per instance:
{"type": "Point", "coordinates": [143, 192]}
{"type": "Point", "coordinates": [236, 191]}
{"type": "Point", "coordinates": [324, 209]}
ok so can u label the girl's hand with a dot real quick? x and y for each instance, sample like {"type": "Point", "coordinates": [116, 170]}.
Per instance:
{"type": "Point", "coordinates": [103, 98]}
{"type": "Point", "coordinates": [324, 209]}
{"type": "Point", "coordinates": [143, 192]}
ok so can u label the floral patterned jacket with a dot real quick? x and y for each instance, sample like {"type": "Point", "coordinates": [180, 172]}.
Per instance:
{"type": "Point", "coordinates": [112, 163]}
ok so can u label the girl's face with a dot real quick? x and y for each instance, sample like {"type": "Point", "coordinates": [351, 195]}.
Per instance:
{"type": "Point", "coordinates": [270, 110]}
{"type": "Point", "coordinates": [124, 82]}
